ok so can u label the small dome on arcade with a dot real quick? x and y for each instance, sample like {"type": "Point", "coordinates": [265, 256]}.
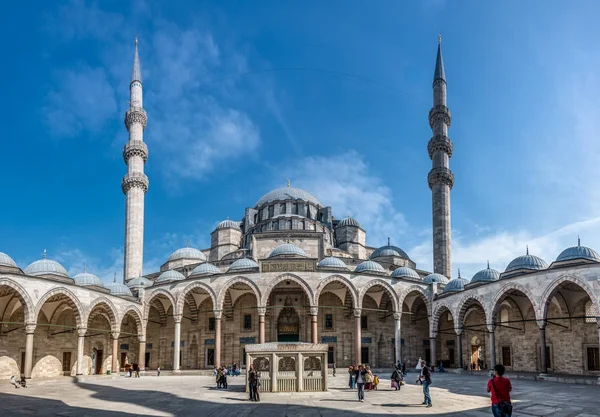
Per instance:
{"type": "Point", "coordinates": [170, 275]}
{"type": "Point", "coordinates": [331, 262]}
{"type": "Point", "coordinates": [287, 249]}
{"type": "Point", "coordinates": [388, 250]}
{"type": "Point", "coordinates": [486, 275]}
{"type": "Point", "coordinates": [288, 193]}
{"type": "Point", "coordinates": [228, 224]}
{"type": "Point", "coordinates": [435, 278]}
{"type": "Point", "coordinates": [45, 266]}
{"type": "Point", "coordinates": [139, 282]}
{"type": "Point", "coordinates": [457, 284]}
{"type": "Point", "coordinates": [405, 272]}
{"type": "Point", "coordinates": [6, 260]}
{"type": "Point", "coordinates": [118, 288]}
{"type": "Point", "coordinates": [578, 252]}
{"type": "Point", "coordinates": [206, 269]}
{"type": "Point", "coordinates": [369, 266]}
{"type": "Point", "coordinates": [187, 253]}
{"type": "Point", "coordinates": [348, 221]}
{"type": "Point", "coordinates": [526, 261]}
{"type": "Point", "coordinates": [85, 278]}
{"type": "Point", "coordinates": [243, 264]}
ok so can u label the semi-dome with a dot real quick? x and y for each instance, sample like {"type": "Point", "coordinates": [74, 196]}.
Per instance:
{"type": "Point", "coordinates": [187, 253]}
{"type": "Point", "coordinates": [370, 266]}
{"type": "Point", "coordinates": [6, 260]}
{"type": "Point", "coordinates": [348, 221]}
{"type": "Point", "coordinates": [170, 275]}
{"type": "Point", "coordinates": [578, 252]}
{"type": "Point", "coordinates": [139, 282]}
{"type": "Point", "coordinates": [85, 278]}
{"type": "Point", "coordinates": [405, 272]}
{"type": "Point", "coordinates": [288, 193]}
{"type": "Point", "coordinates": [526, 261]}
{"type": "Point", "coordinates": [206, 269]}
{"type": "Point", "coordinates": [333, 263]}
{"type": "Point", "coordinates": [486, 275]}
{"type": "Point", "coordinates": [45, 266]}
{"type": "Point", "coordinates": [388, 250]}
{"type": "Point", "coordinates": [243, 264]}
{"type": "Point", "coordinates": [287, 249]}
{"type": "Point", "coordinates": [435, 278]}
{"type": "Point", "coordinates": [228, 224]}
{"type": "Point", "coordinates": [118, 288]}
{"type": "Point", "coordinates": [457, 284]}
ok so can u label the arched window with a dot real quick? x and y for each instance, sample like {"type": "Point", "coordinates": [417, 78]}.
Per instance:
{"type": "Point", "coordinates": [504, 316]}
{"type": "Point", "coordinates": [590, 314]}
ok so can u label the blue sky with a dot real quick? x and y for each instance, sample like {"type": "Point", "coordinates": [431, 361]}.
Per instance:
{"type": "Point", "coordinates": [334, 95]}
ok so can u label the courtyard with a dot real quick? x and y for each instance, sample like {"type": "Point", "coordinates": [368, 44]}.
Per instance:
{"type": "Point", "coordinates": [453, 395]}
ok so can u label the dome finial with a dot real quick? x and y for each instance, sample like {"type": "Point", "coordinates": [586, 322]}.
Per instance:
{"type": "Point", "coordinates": [488, 264]}
{"type": "Point", "coordinates": [459, 273]}
{"type": "Point", "coordinates": [84, 267]}
{"type": "Point", "coordinates": [527, 249]}
{"type": "Point", "coordinates": [115, 277]}
{"type": "Point", "coordinates": [187, 244]}
{"type": "Point", "coordinates": [388, 241]}
{"type": "Point", "coordinates": [44, 253]}
{"type": "Point", "coordinates": [289, 183]}
{"type": "Point", "coordinates": [578, 241]}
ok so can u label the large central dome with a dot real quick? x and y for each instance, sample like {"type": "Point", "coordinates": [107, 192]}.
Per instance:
{"type": "Point", "coordinates": [288, 193]}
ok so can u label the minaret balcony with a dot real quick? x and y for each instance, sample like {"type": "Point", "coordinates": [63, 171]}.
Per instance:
{"type": "Point", "coordinates": [439, 143]}
{"type": "Point", "coordinates": [135, 115]}
{"type": "Point", "coordinates": [440, 175]}
{"type": "Point", "coordinates": [135, 148]}
{"type": "Point", "coordinates": [134, 180]}
{"type": "Point", "coordinates": [438, 113]}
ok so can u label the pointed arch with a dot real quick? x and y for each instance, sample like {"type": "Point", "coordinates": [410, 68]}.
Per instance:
{"type": "Point", "coordinates": [548, 294]}
{"type": "Point", "coordinates": [236, 280]}
{"type": "Point", "coordinates": [344, 281]}
{"type": "Point", "coordinates": [178, 307]}
{"type": "Point", "coordinates": [285, 277]}
{"type": "Point", "coordinates": [501, 294]}
{"type": "Point", "coordinates": [463, 306]}
{"type": "Point", "coordinates": [419, 289]}
{"type": "Point", "coordinates": [110, 310]}
{"type": "Point", "coordinates": [133, 311]}
{"type": "Point", "coordinates": [28, 306]}
{"type": "Point", "coordinates": [439, 309]}
{"type": "Point", "coordinates": [72, 301]}
{"type": "Point", "coordinates": [386, 285]}
{"type": "Point", "coordinates": [154, 294]}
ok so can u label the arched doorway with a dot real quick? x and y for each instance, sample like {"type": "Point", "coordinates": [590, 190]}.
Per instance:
{"type": "Point", "coordinates": [288, 323]}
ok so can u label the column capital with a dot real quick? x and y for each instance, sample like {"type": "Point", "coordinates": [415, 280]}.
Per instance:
{"type": "Point", "coordinates": [433, 335]}
{"type": "Point", "coordinates": [397, 316]}
{"type": "Point", "coordinates": [81, 331]}
{"type": "Point", "coordinates": [142, 338]}
{"type": "Point", "coordinates": [30, 328]}
{"type": "Point", "coordinates": [217, 314]}
{"type": "Point", "coordinates": [541, 324]}
{"type": "Point", "coordinates": [262, 311]}
{"type": "Point", "coordinates": [177, 317]}
{"type": "Point", "coordinates": [459, 332]}
{"type": "Point", "coordinates": [314, 310]}
{"type": "Point", "coordinates": [115, 335]}
{"type": "Point", "coordinates": [357, 312]}
{"type": "Point", "coordinates": [491, 327]}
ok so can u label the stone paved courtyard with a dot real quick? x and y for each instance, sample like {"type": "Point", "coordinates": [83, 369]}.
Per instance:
{"type": "Point", "coordinates": [453, 395]}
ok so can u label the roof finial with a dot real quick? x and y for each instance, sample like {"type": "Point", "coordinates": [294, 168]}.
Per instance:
{"type": "Point", "coordinates": [187, 244]}
{"type": "Point", "coordinates": [458, 273]}
{"type": "Point", "coordinates": [84, 267]}
{"type": "Point", "coordinates": [44, 253]}
{"type": "Point", "coordinates": [578, 241]}
{"type": "Point", "coordinates": [527, 249]}
{"type": "Point", "coordinates": [439, 73]}
{"type": "Point", "coordinates": [115, 277]}
{"type": "Point", "coordinates": [488, 264]}
{"type": "Point", "coordinates": [136, 41]}
{"type": "Point", "coordinates": [289, 183]}
{"type": "Point", "coordinates": [439, 39]}
{"type": "Point", "coordinates": [388, 241]}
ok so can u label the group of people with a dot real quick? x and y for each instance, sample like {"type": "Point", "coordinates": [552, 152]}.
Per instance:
{"type": "Point", "coordinates": [361, 378]}
{"type": "Point", "coordinates": [253, 383]}
{"type": "Point", "coordinates": [18, 383]}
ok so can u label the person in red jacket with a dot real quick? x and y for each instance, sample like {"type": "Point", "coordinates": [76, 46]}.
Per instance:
{"type": "Point", "coordinates": [500, 388]}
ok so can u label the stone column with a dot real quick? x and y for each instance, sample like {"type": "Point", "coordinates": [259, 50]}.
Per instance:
{"type": "Point", "coordinates": [29, 331]}
{"type": "Point", "coordinates": [80, 344]}
{"type": "Point", "coordinates": [491, 329]}
{"type": "Point", "coordinates": [273, 372]}
{"type": "Point", "coordinates": [314, 338]}
{"type": "Point", "coordinates": [300, 379]}
{"type": "Point", "coordinates": [357, 335]}
{"type": "Point", "coordinates": [262, 311]}
{"type": "Point", "coordinates": [114, 367]}
{"type": "Point", "coordinates": [177, 343]}
{"type": "Point", "coordinates": [432, 350]}
{"type": "Point", "coordinates": [217, 338]}
{"type": "Point", "coordinates": [398, 336]}
{"type": "Point", "coordinates": [543, 359]}
{"type": "Point", "coordinates": [326, 372]}
{"type": "Point", "coordinates": [142, 354]}
{"type": "Point", "coordinates": [459, 333]}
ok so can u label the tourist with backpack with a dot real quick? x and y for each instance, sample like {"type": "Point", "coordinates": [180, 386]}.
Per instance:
{"type": "Point", "coordinates": [500, 388]}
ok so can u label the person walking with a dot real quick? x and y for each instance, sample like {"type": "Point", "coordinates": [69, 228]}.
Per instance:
{"type": "Point", "coordinates": [419, 366]}
{"type": "Point", "coordinates": [333, 368]}
{"type": "Point", "coordinates": [425, 379]}
{"type": "Point", "coordinates": [351, 377]}
{"type": "Point", "coordinates": [158, 371]}
{"type": "Point", "coordinates": [359, 376]}
{"type": "Point", "coordinates": [251, 378]}
{"type": "Point", "coordinates": [500, 388]}
{"type": "Point", "coordinates": [255, 386]}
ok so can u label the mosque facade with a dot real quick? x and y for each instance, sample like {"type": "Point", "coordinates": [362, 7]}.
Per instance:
{"type": "Point", "coordinates": [290, 271]}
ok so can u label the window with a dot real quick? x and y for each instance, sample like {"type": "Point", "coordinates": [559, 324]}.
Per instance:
{"type": "Point", "coordinates": [330, 355]}
{"type": "Point", "coordinates": [271, 211]}
{"type": "Point", "coordinates": [282, 208]}
{"type": "Point", "coordinates": [211, 324]}
{"type": "Point", "coordinates": [363, 322]}
{"type": "Point", "coordinates": [506, 359]}
{"type": "Point", "coordinates": [247, 322]}
{"type": "Point", "coordinates": [590, 313]}
{"type": "Point", "coordinates": [504, 316]}
{"type": "Point", "coordinates": [328, 321]}
{"type": "Point", "coordinates": [243, 356]}
{"type": "Point", "coordinates": [593, 359]}
{"type": "Point", "coordinates": [451, 356]}
{"type": "Point", "coordinates": [295, 208]}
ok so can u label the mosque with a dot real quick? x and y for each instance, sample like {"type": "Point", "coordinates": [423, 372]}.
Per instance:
{"type": "Point", "coordinates": [289, 270]}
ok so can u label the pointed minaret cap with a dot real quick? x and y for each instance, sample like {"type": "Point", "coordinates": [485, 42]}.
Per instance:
{"type": "Point", "coordinates": [439, 73]}
{"type": "Point", "coordinates": [136, 73]}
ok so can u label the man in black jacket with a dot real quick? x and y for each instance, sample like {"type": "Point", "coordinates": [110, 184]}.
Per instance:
{"type": "Point", "coordinates": [425, 379]}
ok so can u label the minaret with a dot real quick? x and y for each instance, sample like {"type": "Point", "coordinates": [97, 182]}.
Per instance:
{"type": "Point", "coordinates": [440, 177]}
{"type": "Point", "coordinates": [135, 182]}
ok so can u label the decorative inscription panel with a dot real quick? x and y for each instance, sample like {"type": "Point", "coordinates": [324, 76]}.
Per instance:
{"type": "Point", "coordinates": [288, 265]}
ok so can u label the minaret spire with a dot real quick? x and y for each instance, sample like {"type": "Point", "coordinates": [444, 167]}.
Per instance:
{"type": "Point", "coordinates": [440, 178]}
{"type": "Point", "coordinates": [135, 182]}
